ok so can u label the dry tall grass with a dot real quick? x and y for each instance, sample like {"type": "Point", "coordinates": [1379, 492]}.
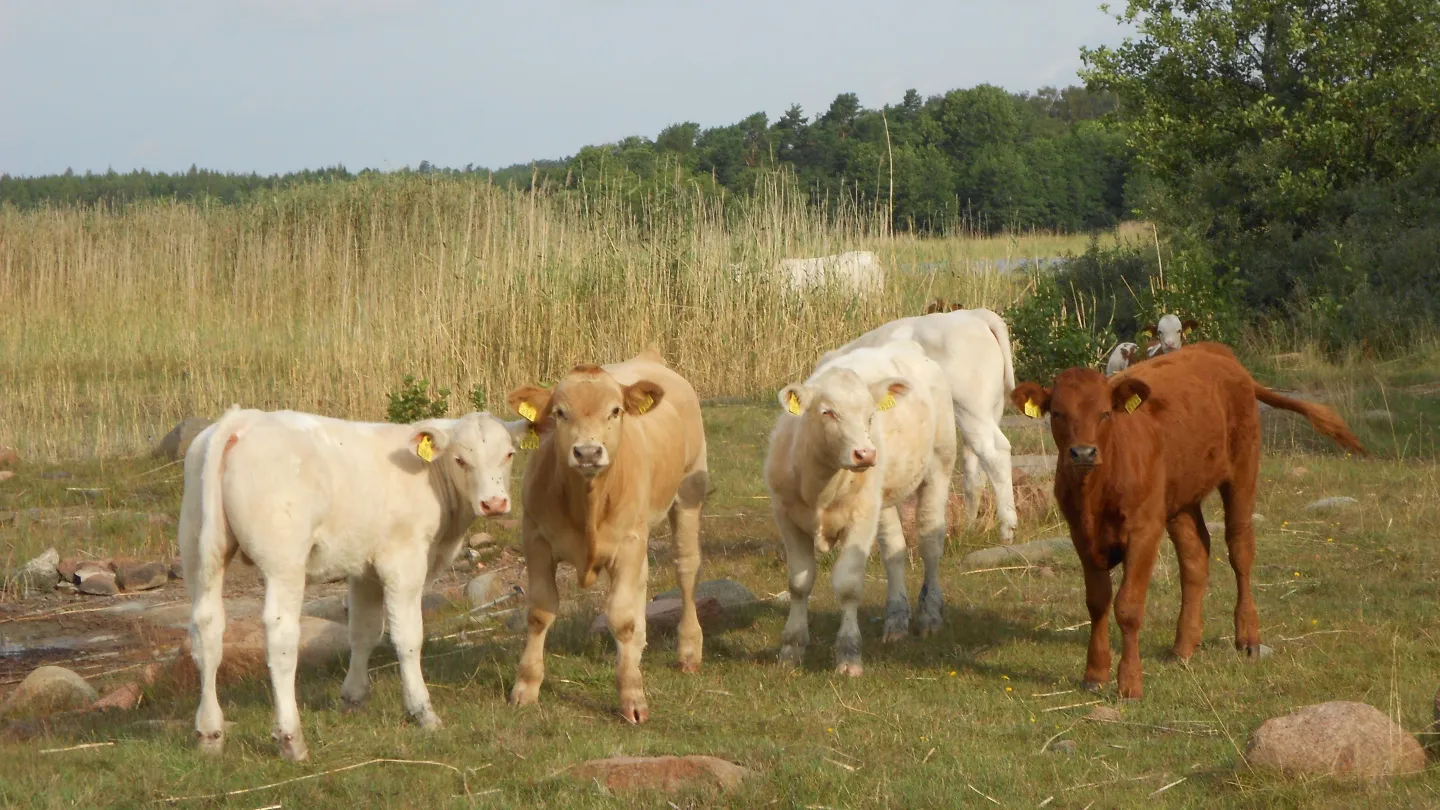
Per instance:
{"type": "Point", "coordinates": [118, 323]}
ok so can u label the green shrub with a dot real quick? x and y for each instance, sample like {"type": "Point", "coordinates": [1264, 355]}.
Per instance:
{"type": "Point", "coordinates": [1050, 333]}
{"type": "Point", "coordinates": [413, 402]}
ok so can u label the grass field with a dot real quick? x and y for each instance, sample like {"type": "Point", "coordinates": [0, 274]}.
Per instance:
{"type": "Point", "coordinates": [1347, 600]}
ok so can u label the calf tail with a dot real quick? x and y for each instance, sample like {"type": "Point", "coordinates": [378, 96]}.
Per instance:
{"type": "Point", "coordinates": [205, 545]}
{"type": "Point", "coordinates": [1322, 418]}
{"type": "Point", "coordinates": [1002, 336]}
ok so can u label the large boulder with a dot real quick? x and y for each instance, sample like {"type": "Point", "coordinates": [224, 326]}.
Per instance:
{"type": "Point", "coordinates": [1022, 554]}
{"type": "Point", "coordinates": [1339, 738]}
{"type": "Point", "coordinates": [727, 592]}
{"type": "Point", "coordinates": [39, 575]}
{"type": "Point", "coordinates": [178, 440]}
{"type": "Point", "coordinates": [667, 774]}
{"type": "Point", "coordinates": [663, 615]}
{"type": "Point", "coordinates": [49, 689]}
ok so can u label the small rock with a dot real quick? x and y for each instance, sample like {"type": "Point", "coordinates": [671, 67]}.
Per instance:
{"type": "Point", "coordinates": [84, 568]}
{"type": "Point", "coordinates": [1025, 553]}
{"type": "Point", "coordinates": [38, 575]}
{"type": "Point", "coordinates": [1265, 652]}
{"type": "Point", "coordinates": [142, 576]}
{"type": "Point", "coordinates": [663, 615]}
{"type": "Point", "coordinates": [727, 592]}
{"type": "Point", "coordinates": [480, 540]}
{"type": "Point", "coordinates": [1044, 572]}
{"type": "Point", "coordinates": [177, 568]}
{"type": "Point", "coordinates": [484, 589]}
{"type": "Point", "coordinates": [1324, 504]}
{"type": "Point", "coordinates": [55, 475]}
{"type": "Point", "coordinates": [66, 569]}
{"type": "Point", "coordinates": [122, 698]}
{"type": "Point", "coordinates": [89, 494]}
{"type": "Point", "coordinates": [1378, 417]}
{"type": "Point", "coordinates": [9, 457]}
{"type": "Point", "coordinates": [49, 689]}
{"type": "Point", "coordinates": [1339, 738]}
{"type": "Point", "coordinates": [668, 774]}
{"type": "Point", "coordinates": [1104, 714]}
{"type": "Point", "coordinates": [1297, 472]}
{"type": "Point", "coordinates": [6, 475]}
{"type": "Point", "coordinates": [433, 603]}
{"type": "Point", "coordinates": [508, 524]}
{"type": "Point", "coordinates": [98, 583]}
{"type": "Point", "coordinates": [329, 608]}
{"type": "Point", "coordinates": [1065, 747]}
{"type": "Point", "coordinates": [178, 440]}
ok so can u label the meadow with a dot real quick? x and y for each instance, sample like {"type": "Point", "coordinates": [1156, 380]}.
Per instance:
{"type": "Point", "coordinates": [125, 321]}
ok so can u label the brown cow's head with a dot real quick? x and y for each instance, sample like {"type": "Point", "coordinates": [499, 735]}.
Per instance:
{"type": "Point", "coordinates": [838, 412]}
{"type": "Point", "coordinates": [585, 411]}
{"type": "Point", "coordinates": [1081, 405]}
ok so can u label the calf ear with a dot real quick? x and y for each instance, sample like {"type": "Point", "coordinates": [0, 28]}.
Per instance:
{"type": "Point", "coordinates": [428, 440]}
{"type": "Point", "coordinates": [1188, 325]}
{"type": "Point", "coordinates": [641, 397]}
{"type": "Point", "coordinates": [1129, 394]}
{"type": "Point", "coordinates": [532, 403]}
{"type": "Point", "coordinates": [796, 398]}
{"type": "Point", "coordinates": [886, 392]}
{"type": "Point", "coordinates": [1031, 399]}
{"type": "Point", "coordinates": [935, 305]}
{"type": "Point", "coordinates": [519, 430]}
{"type": "Point", "coordinates": [1149, 331]}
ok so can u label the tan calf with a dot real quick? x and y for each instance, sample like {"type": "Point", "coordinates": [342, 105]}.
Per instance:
{"type": "Point", "coordinates": [621, 447]}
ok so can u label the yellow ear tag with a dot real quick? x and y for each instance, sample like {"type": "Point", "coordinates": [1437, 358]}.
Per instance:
{"type": "Point", "coordinates": [426, 448]}
{"type": "Point", "coordinates": [1132, 403]}
{"type": "Point", "coordinates": [793, 404]}
{"type": "Point", "coordinates": [646, 405]}
{"type": "Point", "coordinates": [1147, 334]}
{"type": "Point", "coordinates": [1032, 410]}
{"type": "Point", "coordinates": [887, 403]}
{"type": "Point", "coordinates": [531, 440]}
{"type": "Point", "coordinates": [527, 411]}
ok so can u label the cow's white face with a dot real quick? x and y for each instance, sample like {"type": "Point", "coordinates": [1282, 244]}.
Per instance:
{"type": "Point", "coordinates": [838, 412]}
{"type": "Point", "coordinates": [584, 412]}
{"type": "Point", "coordinates": [474, 453]}
{"type": "Point", "coordinates": [1169, 333]}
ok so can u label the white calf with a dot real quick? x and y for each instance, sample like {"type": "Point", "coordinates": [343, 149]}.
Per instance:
{"type": "Point", "coordinates": [857, 271]}
{"type": "Point", "coordinates": [865, 432]}
{"type": "Point", "coordinates": [972, 346]}
{"type": "Point", "coordinates": [305, 496]}
{"type": "Point", "coordinates": [1169, 332]}
{"type": "Point", "coordinates": [1121, 358]}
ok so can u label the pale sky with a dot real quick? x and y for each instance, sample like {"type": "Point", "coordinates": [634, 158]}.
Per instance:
{"type": "Point", "coordinates": [281, 85]}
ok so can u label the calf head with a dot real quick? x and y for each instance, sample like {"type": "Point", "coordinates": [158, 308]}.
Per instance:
{"type": "Point", "coordinates": [1170, 332]}
{"type": "Point", "coordinates": [585, 411]}
{"type": "Point", "coordinates": [474, 454]}
{"type": "Point", "coordinates": [838, 412]}
{"type": "Point", "coordinates": [1081, 405]}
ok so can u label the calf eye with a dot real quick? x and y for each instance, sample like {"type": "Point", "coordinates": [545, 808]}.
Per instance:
{"type": "Point", "coordinates": [461, 462]}
{"type": "Point", "coordinates": [615, 412]}
{"type": "Point", "coordinates": [1105, 415]}
{"type": "Point", "coordinates": [558, 413]}
{"type": "Point", "coordinates": [829, 413]}
{"type": "Point", "coordinates": [510, 455]}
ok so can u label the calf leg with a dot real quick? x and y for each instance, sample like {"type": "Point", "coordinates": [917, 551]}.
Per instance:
{"type": "Point", "coordinates": [892, 551]}
{"type": "Point", "coordinates": [848, 579]}
{"type": "Point", "coordinates": [207, 647]}
{"type": "Point", "coordinates": [1097, 602]}
{"type": "Point", "coordinates": [1192, 546]}
{"type": "Point", "coordinates": [973, 483]}
{"type": "Point", "coordinates": [984, 438]}
{"type": "Point", "coordinates": [404, 583]}
{"type": "Point", "coordinates": [930, 521]}
{"type": "Point", "coordinates": [1238, 495]}
{"type": "Point", "coordinates": [626, 615]}
{"type": "Point", "coordinates": [1143, 548]}
{"type": "Point", "coordinates": [544, 601]}
{"type": "Point", "coordinates": [284, 594]}
{"type": "Point", "coordinates": [685, 534]}
{"type": "Point", "coordinates": [800, 560]}
{"type": "Point", "coordinates": [367, 624]}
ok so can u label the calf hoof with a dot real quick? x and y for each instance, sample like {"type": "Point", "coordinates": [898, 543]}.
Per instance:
{"type": "Point", "coordinates": [524, 695]}
{"type": "Point", "coordinates": [292, 746]}
{"type": "Point", "coordinates": [212, 743]}
{"type": "Point", "coordinates": [634, 711]}
{"type": "Point", "coordinates": [791, 655]}
{"type": "Point", "coordinates": [897, 621]}
{"type": "Point", "coordinates": [688, 667]}
{"type": "Point", "coordinates": [1092, 686]}
{"type": "Point", "coordinates": [853, 669]}
{"type": "Point", "coordinates": [1255, 652]}
{"type": "Point", "coordinates": [1131, 694]}
{"type": "Point", "coordinates": [349, 705]}
{"type": "Point", "coordinates": [429, 721]}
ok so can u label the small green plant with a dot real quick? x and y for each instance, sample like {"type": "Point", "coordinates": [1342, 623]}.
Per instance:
{"type": "Point", "coordinates": [413, 402]}
{"type": "Point", "coordinates": [478, 398]}
{"type": "Point", "coordinates": [1049, 334]}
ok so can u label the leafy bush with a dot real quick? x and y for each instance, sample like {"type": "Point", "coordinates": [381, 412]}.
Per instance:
{"type": "Point", "coordinates": [413, 402]}
{"type": "Point", "coordinates": [1049, 333]}
{"type": "Point", "coordinates": [478, 398]}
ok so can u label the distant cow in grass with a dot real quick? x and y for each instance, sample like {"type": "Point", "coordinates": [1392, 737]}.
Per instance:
{"type": "Point", "coordinates": [1137, 454]}
{"type": "Point", "coordinates": [1121, 358]}
{"type": "Point", "coordinates": [858, 271]}
{"type": "Point", "coordinates": [305, 496]}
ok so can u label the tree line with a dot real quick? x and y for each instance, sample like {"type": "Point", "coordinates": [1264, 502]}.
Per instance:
{"type": "Point", "coordinates": [980, 158]}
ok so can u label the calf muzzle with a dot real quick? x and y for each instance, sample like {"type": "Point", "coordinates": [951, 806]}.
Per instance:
{"type": "Point", "coordinates": [1084, 456]}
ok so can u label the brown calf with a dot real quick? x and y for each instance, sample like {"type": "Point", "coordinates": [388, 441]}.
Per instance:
{"type": "Point", "coordinates": [1138, 453]}
{"type": "Point", "coordinates": [621, 448]}
{"type": "Point", "coordinates": [941, 305]}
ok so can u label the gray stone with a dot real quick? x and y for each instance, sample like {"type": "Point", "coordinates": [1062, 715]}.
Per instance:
{"type": "Point", "coordinates": [1326, 504]}
{"type": "Point", "coordinates": [88, 493]}
{"type": "Point", "coordinates": [484, 589]}
{"type": "Point", "coordinates": [1104, 714]}
{"type": "Point", "coordinates": [727, 592]}
{"type": "Point", "coordinates": [55, 475]}
{"type": "Point", "coordinates": [178, 440]}
{"type": "Point", "coordinates": [142, 576]}
{"type": "Point", "coordinates": [1339, 738]}
{"type": "Point", "coordinates": [667, 774]}
{"type": "Point", "coordinates": [663, 615]}
{"type": "Point", "coordinates": [1065, 747]}
{"type": "Point", "coordinates": [98, 583]}
{"type": "Point", "coordinates": [1022, 554]}
{"type": "Point", "coordinates": [480, 540]}
{"type": "Point", "coordinates": [49, 689]}
{"type": "Point", "coordinates": [38, 575]}
{"type": "Point", "coordinates": [329, 608]}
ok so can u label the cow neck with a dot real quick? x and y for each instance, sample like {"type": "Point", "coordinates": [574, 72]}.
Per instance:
{"type": "Point", "coordinates": [598, 499]}
{"type": "Point", "coordinates": [821, 483]}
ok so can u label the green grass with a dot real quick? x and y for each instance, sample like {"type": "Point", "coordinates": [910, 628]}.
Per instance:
{"type": "Point", "coordinates": [1348, 601]}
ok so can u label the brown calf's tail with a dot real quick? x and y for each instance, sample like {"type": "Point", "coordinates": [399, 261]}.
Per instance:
{"type": "Point", "coordinates": [1322, 418]}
